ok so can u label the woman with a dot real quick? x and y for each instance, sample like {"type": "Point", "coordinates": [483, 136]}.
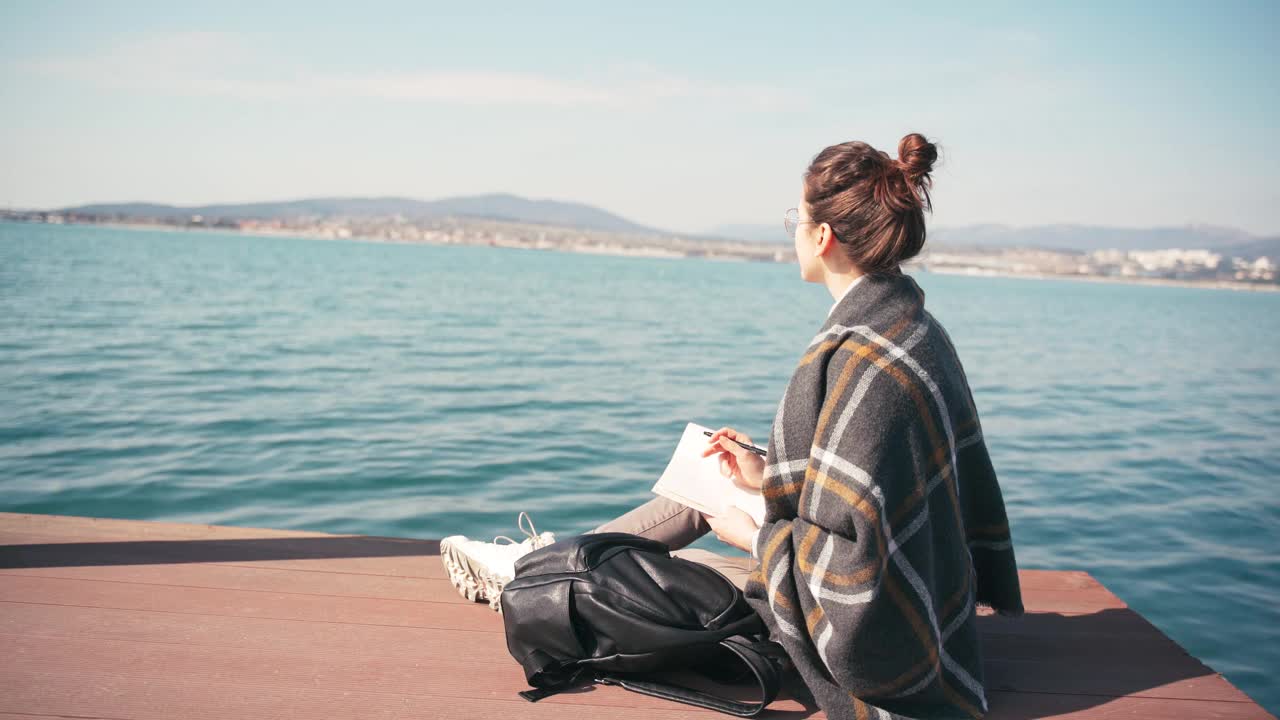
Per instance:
{"type": "Point", "coordinates": [885, 525]}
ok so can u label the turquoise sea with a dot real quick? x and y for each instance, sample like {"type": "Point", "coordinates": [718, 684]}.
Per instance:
{"type": "Point", "coordinates": [422, 391]}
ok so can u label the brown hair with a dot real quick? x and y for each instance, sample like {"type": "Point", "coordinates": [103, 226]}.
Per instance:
{"type": "Point", "coordinates": [875, 204]}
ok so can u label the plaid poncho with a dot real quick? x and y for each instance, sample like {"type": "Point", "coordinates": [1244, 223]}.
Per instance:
{"type": "Point", "coordinates": [885, 523]}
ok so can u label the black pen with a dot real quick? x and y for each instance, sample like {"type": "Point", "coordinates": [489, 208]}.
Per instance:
{"type": "Point", "coordinates": [752, 448]}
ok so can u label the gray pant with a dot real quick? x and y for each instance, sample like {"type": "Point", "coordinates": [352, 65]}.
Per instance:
{"type": "Point", "coordinates": [678, 525]}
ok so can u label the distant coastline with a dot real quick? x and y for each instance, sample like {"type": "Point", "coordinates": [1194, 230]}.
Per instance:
{"type": "Point", "coordinates": [488, 233]}
{"type": "Point", "coordinates": [1169, 282]}
{"type": "Point", "coordinates": [492, 233]}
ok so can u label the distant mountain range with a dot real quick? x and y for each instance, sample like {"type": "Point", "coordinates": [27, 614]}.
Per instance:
{"type": "Point", "coordinates": [1078, 238]}
{"type": "Point", "coordinates": [494, 207]}
{"type": "Point", "coordinates": [501, 206]}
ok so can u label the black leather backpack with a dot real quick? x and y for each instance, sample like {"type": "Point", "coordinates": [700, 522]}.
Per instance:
{"type": "Point", "coordinates": [609, 607]}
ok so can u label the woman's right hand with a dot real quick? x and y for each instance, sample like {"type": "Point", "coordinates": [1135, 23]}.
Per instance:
{"type": "Point", "coordinates": [743, 466]}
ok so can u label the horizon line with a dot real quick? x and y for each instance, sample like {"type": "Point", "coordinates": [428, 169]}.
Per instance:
{"type": "Point", "coordinates": [1187, 225]}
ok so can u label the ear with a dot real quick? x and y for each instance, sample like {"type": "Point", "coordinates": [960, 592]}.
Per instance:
{"type": "Point", "coordinates": [826, 240]}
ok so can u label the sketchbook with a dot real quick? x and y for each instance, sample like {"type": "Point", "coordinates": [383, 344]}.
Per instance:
{"type": "Point", "coordinates": [695, 481]}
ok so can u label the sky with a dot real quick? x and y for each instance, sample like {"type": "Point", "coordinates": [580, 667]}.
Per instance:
{"type": "Point", "coordinates": [683, 116]}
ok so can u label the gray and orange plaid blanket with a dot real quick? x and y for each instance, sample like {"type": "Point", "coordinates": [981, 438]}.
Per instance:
{"type": "Point", "coordinates": [885, 523]}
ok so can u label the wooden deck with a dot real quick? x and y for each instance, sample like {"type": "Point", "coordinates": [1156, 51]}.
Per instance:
{"type": "Point", "coordinates": [124, 619]}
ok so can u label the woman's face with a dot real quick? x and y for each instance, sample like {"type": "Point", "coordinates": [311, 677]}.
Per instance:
{"type": "Point", "coordinates": [806, 240]}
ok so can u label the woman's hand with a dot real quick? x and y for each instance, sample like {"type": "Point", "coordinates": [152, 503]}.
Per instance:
{"type": "Point", "coordinates": [743, 466]}
{"type": "Point", "coordinates": [735, 528]}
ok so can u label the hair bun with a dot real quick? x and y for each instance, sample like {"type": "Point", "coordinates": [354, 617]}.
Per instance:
{"type": "Point", "coordinates": [916, 157]}
{"type": "Point", "coordinates": [875, 204]}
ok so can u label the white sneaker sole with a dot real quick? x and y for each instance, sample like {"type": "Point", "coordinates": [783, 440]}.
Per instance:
{"type": "Point", "coordinates": [468, 577]}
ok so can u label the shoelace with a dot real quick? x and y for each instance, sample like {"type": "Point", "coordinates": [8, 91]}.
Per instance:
{"type": "Point", "coordinates": [534, 539]}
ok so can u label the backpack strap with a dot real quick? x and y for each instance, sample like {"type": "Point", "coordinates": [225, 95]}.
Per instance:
{"type": "Point", "coordinates": [765, 672]}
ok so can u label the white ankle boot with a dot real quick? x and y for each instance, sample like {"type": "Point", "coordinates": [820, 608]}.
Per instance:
{"type": "Point", "coordinates": [479, 570]}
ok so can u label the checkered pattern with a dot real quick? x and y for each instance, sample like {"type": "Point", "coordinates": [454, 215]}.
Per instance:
{"type": "Point", "coordinates": [885, 523]}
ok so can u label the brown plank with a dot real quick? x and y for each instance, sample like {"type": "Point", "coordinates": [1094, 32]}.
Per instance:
{"type": "Point", "coordinates": [88, 528]}
{"type": "Point", "coordinates": [1029, 706]}
{"type": "Point", "coordinates": [275, 579]}
{"type": "Point", "coordinates": [260, 579]}
{"type": "Point", "coordinates": [428, 673]}
{"type": "Point", "coordinates": [244, 603]}
{"type": "Point", "coordinates": [90, 694]}
{"type": "Point", "coordinates": [1070, 601]}
{"type": "Point", "coordinates": [1056, 580]}
{"type": "Point", "coordinates": [231, 591]}
{"type": "Point", "coordinates": [321, 638]}
{"type": "Point", "coordinates": [98, 694]}
{"type": "Point", "coordinates": [151, 626]}
{"type": "Point", "coordinates": [1154, 677]}
{"type": "Point", "coordinates": [16, 528]}
{"type": "Point", "coordinates": [191, 566]}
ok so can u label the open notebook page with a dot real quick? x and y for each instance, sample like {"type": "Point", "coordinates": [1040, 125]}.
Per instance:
{"type": "Point", "coordinates": [696, 481]}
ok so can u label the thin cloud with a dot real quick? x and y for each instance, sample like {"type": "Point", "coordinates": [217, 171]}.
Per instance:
{"type": "Point", "coordinates": [203, 64]}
